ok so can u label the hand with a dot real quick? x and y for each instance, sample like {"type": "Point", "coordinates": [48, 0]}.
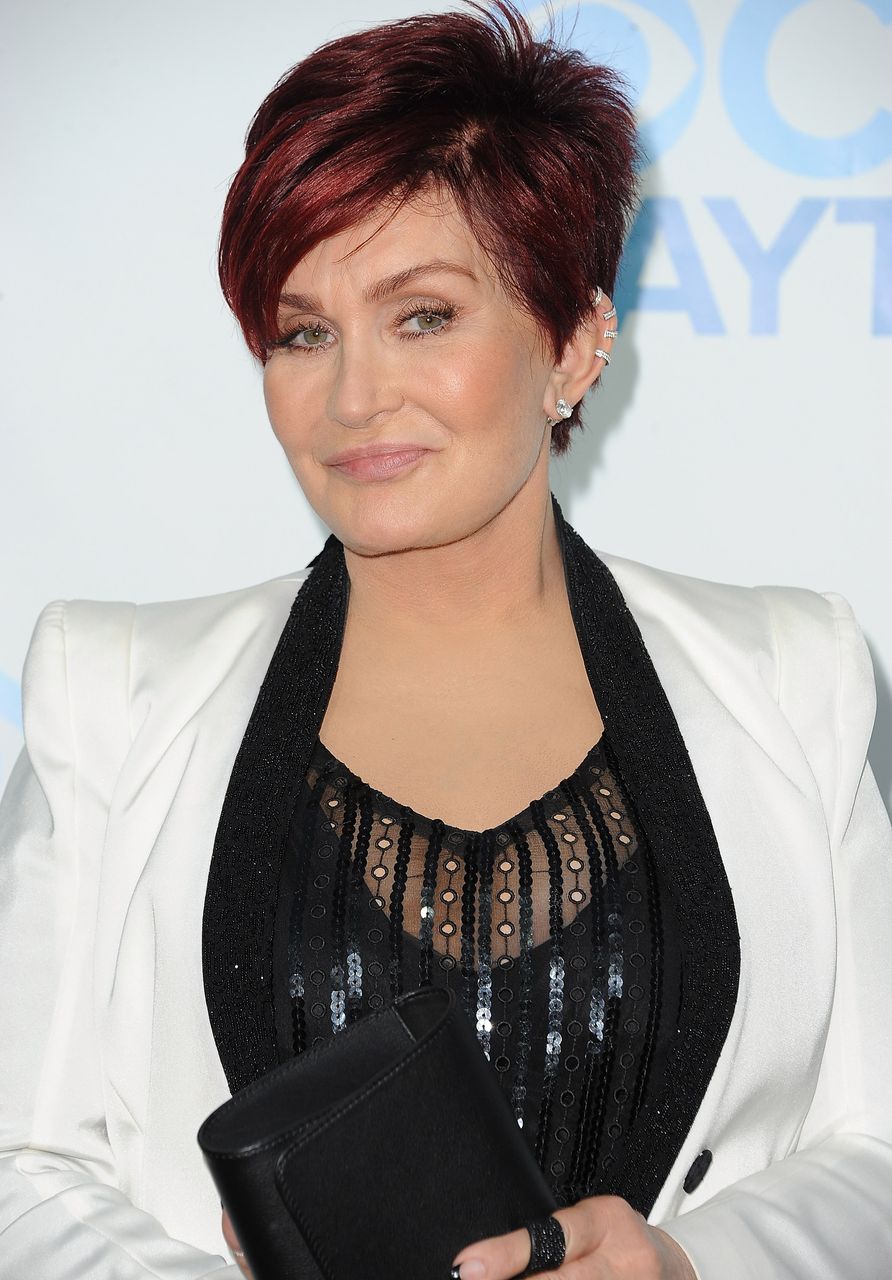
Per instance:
{"type": "Point", "coordinates": [606, 1240]}
{"type": "Point", "coordinates": [232, 1241]}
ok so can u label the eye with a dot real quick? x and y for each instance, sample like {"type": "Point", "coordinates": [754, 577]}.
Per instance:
{"type": "Point", "coordinates": [441, 314]}
{"type": "Point", "coordinates": [315, 331]}
{"type": "Point", "coordinates": [432, 318]}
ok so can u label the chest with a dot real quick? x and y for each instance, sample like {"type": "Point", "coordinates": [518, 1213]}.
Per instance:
{"type": "Point", "coordinates": [469, 741]}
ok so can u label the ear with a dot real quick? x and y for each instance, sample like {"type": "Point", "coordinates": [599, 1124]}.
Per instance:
{"type": "Point", "coordinates": [579, 367]}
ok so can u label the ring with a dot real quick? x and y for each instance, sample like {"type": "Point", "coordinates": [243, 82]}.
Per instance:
{"type": "Point", "coordinates": [548, 1244]}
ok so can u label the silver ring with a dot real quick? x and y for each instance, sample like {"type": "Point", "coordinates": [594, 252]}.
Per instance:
{"type": "Point", "coordinates": [603, 354]}
{"type": "Point", "coordinates": [548, 1245]}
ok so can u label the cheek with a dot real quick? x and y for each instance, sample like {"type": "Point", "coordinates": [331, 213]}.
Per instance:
{"type": "Point", "coordinates": [285, 409]}
{"type": "Point", "coordinates": [274, 398]}
{"type": "Point", "coordinates": [487, 393]}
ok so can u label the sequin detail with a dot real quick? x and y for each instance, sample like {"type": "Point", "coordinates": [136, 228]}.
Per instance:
{"type": "Point", "coordinates": [250, 885]}
{"type": "Point", "coordinates": [548, 927]}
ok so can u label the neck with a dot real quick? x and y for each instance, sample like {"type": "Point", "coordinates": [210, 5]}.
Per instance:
{"type": "Point", "coordinates": [508, 573]}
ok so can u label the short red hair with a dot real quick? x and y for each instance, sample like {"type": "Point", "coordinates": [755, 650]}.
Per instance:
{"type": "Point", "coordinates": [536, 144]}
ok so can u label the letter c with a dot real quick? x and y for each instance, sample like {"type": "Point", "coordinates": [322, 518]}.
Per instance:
{"type": "Point", "coordinates": [757, 120]}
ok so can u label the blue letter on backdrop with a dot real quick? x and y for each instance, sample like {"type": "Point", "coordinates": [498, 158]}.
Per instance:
{"type": "Point", "coordinates": [765, 266]}
{"type": "Point", "coordinates": [748, 102]}
{"type": "Point", "coordinates": [692, 292]}
{"type": "Point", "coordinates": [877, 212]}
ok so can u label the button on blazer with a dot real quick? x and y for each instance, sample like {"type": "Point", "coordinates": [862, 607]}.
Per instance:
{"type": "Point", "coordinates": [109, 1062]}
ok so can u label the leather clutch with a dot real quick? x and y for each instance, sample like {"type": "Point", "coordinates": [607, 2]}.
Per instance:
{"type": "Point", "coordinates": [377, 1154]}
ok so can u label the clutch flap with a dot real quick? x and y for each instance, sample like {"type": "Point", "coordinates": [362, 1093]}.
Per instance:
{"type": "Point", "coordinates": [428, 1157]}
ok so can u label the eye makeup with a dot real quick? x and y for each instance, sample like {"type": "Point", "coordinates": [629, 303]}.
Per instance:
{"type": "Point", "coordinates": [427, 309]}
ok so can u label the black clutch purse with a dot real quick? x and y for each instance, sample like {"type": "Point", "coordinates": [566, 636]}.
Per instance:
{"type": "Point", "coordinates": [377, 1155]}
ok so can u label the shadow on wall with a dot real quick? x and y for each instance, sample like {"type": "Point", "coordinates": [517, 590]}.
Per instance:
{"type": "Point", "coordinates": [614, 390]}
{"type": "Point", "coordinates": [881, 743]}
{"type": "Point", "coordinates": [10, 725]}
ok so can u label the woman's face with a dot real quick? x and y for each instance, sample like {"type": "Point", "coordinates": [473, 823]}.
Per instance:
{"type": "Point", "coordinates": [443, 362]}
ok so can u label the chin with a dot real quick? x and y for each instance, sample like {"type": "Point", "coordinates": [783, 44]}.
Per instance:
{"type": "Point", "coordinates": [373, 523]}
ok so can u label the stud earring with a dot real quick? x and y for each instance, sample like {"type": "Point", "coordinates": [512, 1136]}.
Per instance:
{"type": "Point", "coordinates": [565, 410]}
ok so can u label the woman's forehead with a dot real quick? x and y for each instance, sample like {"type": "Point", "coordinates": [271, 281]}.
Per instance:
{"type": "Point", "coordinates": [383, 254]}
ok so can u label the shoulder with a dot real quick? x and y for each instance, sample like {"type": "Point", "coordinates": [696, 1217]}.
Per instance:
{"type": "Point", "coordinates": [192, 631]}
{"type": "Point", "coordinates": [805, 647]}
{"type": "Point", "coordinates": [783, 618]}
{"type": "Point", "coordinates": [96, 670]}
{"type": "Point", "coordinates": [91, 634]}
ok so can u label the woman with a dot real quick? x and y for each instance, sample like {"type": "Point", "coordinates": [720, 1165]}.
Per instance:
{"type": "Point", "coordinates": [243, 821]}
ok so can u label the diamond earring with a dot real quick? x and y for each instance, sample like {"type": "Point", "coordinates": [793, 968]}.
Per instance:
{"type": "Point", "coordinates": [564, 409]}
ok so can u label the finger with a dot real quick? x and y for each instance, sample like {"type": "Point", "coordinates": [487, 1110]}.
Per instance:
{"type": "Point", "coordinates": [586, 1225]}
{"type": "Point", "coordinates": [501, 1257]}
{"type": "Point", "coordinates": [229, 1231]}
{"type": "Point", "coordinates": [232, 1240]}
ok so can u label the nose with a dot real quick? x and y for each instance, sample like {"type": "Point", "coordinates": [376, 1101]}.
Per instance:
{"type": "Point", "coordinates": [365, 384]}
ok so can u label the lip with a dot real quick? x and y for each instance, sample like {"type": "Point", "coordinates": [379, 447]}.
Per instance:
{"type": "Point", "coordinates": [380, 465]}
{"type": "Point", "coordinates": [373, 450]}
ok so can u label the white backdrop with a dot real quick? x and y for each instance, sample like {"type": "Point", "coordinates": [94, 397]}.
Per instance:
{"type": "Point", "coordinates": [742, 432]}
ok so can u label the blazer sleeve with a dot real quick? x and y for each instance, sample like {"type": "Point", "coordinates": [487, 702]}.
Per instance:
{"type": "Point", "coordinates": [63, 1214]}
{"type": "Point", "coordinates": [825, 1211]}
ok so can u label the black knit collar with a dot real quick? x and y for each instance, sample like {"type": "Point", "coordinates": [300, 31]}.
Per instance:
{"type": "Point", "coordinates": [244, 875]}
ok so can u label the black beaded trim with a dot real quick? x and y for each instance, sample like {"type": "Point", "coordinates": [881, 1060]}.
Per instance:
{"type": "Point", "coordinates": [243, 879]}
{"type": "Point", "coordinates": [241, 900]}
{"type": "Point", "coordinates": [657, 770]}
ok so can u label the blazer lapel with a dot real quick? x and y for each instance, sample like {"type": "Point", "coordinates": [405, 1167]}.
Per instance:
{"type": "Point", "coordinates": [659, 776]}
{"type": "Point", "coordinates": [243, 879]}
{"type": "Point", "coordinates": [244, 873]}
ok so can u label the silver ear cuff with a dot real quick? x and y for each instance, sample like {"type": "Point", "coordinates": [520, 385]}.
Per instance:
{"type": "Point", "coordinates": [565, 410]}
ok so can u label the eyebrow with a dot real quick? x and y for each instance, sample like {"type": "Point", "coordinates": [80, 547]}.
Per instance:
{"type": "Point", "coordinates": [382, 288]}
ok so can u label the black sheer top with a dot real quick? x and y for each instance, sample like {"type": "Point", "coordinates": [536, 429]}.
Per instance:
{"type": "Point", "coordinates": [603, 993]}
{"type": "Point", "coordinates": [552, 927]}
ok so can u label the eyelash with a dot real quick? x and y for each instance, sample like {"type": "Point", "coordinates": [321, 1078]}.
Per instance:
{"type": "Point", "coordinates": [444, 311]}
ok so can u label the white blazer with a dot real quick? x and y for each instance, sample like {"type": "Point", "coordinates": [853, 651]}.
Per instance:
{"type": "Point", "coordinates": [133, 716]}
